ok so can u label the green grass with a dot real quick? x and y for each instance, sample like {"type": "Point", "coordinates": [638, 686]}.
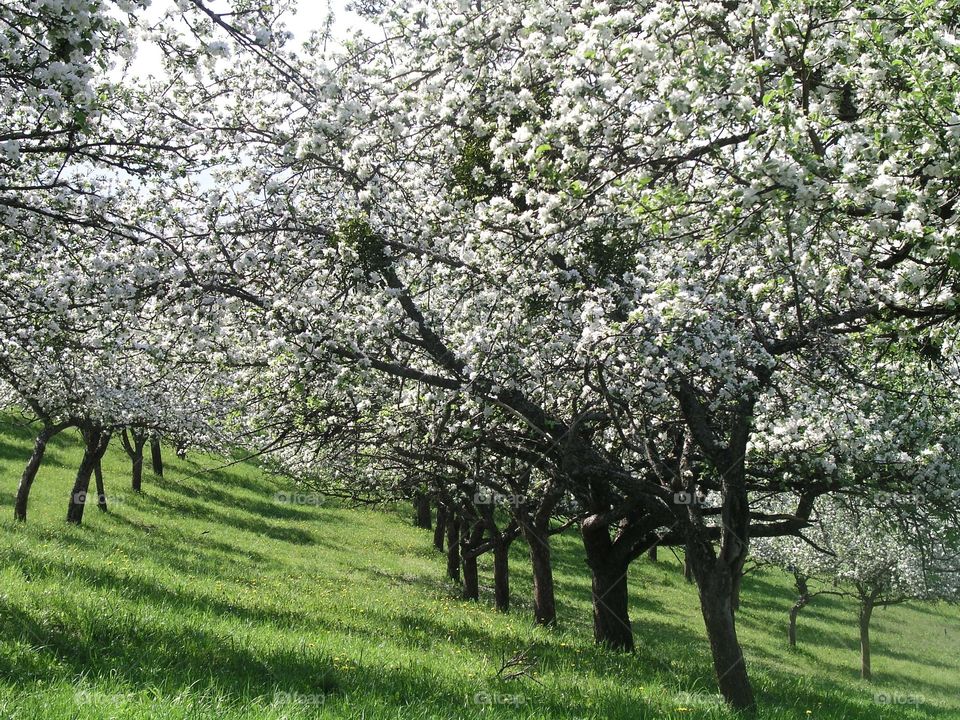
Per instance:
{"type": "Point", "coordinates": [204, 598]}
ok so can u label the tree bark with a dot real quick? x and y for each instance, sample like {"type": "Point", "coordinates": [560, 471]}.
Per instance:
{"type": "Point", "coordinates": [687, 569]}
{"type": "Point", "coordinates": [95, 444]}
{"type": "Point", "coordinates": [652, 553]}
{"type": "Point", "coordinates": [501, 575]}
{"type": "Point", "coordinates": [441, 527]}
{"type": "Point", "coordinates": [134, 449]}
{"type": "Point", "coordinates": [544, 602]}
{"type": "Point", "coordinates": [453, 546]}
{"type": "Point", "coordinates": [421, 505]}
{"type": "Point", "coordinates": [101, 493]}
{"type": "Point", "coordinates": [136, 481]}
{"type": "Point", "coordinates": [802, 600]}
{"type": "Point", "coordinates": [611, 619]}
{"type": "Point", "coordinates": [30, 471]}
{"type": "Point", "coordinates": [866, 611]}
{"type": "Point", "coordinates": [471, 575]}
{"type": "Point", "coordinates": [156, 456]}
{"type": "Point", "coordinates": [716, 585]}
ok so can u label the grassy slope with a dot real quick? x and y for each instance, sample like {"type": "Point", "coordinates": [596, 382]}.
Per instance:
{"type": "Point", "coordinates": [203, 598]}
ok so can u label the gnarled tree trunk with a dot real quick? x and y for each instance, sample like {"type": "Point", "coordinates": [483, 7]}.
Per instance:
{"type": "Point", "coordinates": [716, 585]}
{"type": "Point", "coordinates": [95, 444]}
{"type": "Point", "coordinates": [611, 617]}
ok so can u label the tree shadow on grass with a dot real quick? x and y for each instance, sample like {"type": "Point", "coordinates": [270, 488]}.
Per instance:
{"type": "Point", "coordinates": [258, 526]}
{"type": "Point", "coordinates": [115, 582]}
{"type": "Point", "coordinates": [142, 654]}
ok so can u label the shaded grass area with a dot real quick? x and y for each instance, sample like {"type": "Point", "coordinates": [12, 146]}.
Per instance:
{"type": "Point", "coordinates": [204, 597]}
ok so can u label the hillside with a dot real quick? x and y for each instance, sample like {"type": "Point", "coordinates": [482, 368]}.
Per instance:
{"type": "Point", "coordinates": [205, 597]}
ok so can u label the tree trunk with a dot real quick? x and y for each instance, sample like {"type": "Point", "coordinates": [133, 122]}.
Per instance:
{"type": "Point", "coordinates": [101, 493]}
{"type": "Point", "coordinates": [687, 569]}
{"type": "Point", "coordinates": [802, 600]}
{"type": "Point", "coordinates": [866, 611]}
{"type": "Point", "coordinates": [471, 575]}
{"type": "Point", "coordinates": [715, 581]}
{"type": "Point", "coordinates": [421, 505]}
{"type": "Point", "coordinates": [156, 456]}
{"type": "Point", "coordinates": [544, 602]}
{"type": "Point", "coordinates": [30, 473]}
{"type": "Point", "coordinates": [611, 619]}
{"type": "Point", "coordinates": [441, 527]}
{"type": "Point", "coordinates": [134, 450]}
{"type": "Point", "coordinates": [652, 553]}
{"type": "Point", "coordinates": [453, 547]}
{"type": "Point", "coordinates": [137, 467]}
{"type": "Point", "coordinates": [95, 441]}
{"type": "Point", "coordinates": [501, 575]}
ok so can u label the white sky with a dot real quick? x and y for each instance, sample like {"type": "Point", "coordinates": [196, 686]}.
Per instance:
{"type": "Point", "coordinates": [310, 16]}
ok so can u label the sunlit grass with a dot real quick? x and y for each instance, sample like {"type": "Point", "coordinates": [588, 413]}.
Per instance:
{"type": "Point", "coordinates": [206, 598]}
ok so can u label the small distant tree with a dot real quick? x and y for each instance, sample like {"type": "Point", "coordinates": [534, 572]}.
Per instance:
{"type": "Point", "coordinates": [888, 550]}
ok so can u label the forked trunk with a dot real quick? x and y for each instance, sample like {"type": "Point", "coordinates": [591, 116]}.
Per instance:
{"type": "Point", "coordinates": [611, 617]}
{"type": "Point", "coordinates": [95, 444]}
{"type": "Point", "coordinates": [715, 582]}
{"type": "Point", "coordinates": [134, 450]}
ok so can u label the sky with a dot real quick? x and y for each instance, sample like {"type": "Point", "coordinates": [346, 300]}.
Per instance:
{"type": "Point", "coordinates": [310, 16]}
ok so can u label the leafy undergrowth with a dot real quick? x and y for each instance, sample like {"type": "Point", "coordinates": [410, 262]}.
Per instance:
{"type": "Point", "coordinates": [207, 597]}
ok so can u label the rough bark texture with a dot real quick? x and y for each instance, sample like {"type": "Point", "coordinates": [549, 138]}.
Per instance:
{"type": "Point", "coordinates": [440, 530]}
{"type": "Point", "coordinates": [866, 611]}
{"type": "Point", "coordinates": [30, 472]}
{"type": "Point", "coordinates": [95, 444]}
{"type": "Point", "coordinates": [652, 553]}
{"type": "Point", "coordinates": [611, 619]}
{"type": "Point", "coordinates": [716, 584]}
{"type": "Point", "coordinates": [422, 514]}
{"type": "Point", "coordinates": [453, 547]}
{"type": "Point", "coordinates": [544, 602]}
